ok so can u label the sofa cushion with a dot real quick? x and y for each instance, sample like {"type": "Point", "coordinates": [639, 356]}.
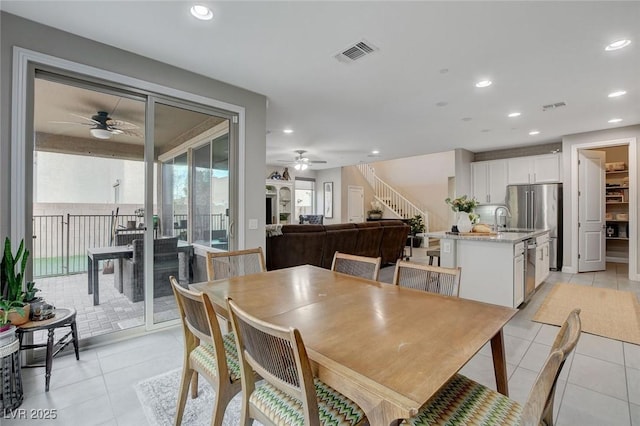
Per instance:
{"type": "Point", "coordinates": [369, 239]}
{"type": "Point", "coordinates": [394, 238]}
{"type": "Point", "coordinates": [298, 245]}
{"type": "Point", "coordinates": [340, 237]}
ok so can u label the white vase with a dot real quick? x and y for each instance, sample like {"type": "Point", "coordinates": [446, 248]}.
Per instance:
{"type": "Point", "coordinates": [464, 223]}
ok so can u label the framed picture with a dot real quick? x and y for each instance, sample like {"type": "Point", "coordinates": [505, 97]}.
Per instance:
{"type": "Point", "coordinates": [328, 200]}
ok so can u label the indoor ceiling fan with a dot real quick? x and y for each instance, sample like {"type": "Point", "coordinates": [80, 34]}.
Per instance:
{"type": "Point", "coordinates": [103, 126]}
{"type": "Point", "coordinates": [300, 162]}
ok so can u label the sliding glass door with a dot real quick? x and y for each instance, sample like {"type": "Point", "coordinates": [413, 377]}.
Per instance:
{"type": "Point", "coordinates": [128, 188]}
{"type": "Point", "coordinates": [195, 204]}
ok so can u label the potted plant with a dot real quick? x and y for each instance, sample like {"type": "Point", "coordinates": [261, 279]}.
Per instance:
{"type": "Point", "coordinates": [464, 207]}
{"type": "Point", "coordinates": [376, 210]}
{"type": "Point", "coordinates": [35, 303]}
{"type": "Point", "coordinates": [11, 283]}
{"type": "Point", "coordinates": [417, 227]}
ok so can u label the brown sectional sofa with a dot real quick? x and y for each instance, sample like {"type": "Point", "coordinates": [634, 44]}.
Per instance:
{"type": "Point", "coordinates": [316, 244]}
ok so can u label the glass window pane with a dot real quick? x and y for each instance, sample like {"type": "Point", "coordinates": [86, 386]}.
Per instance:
{"type": "Point", "coordinates": [202, 175]}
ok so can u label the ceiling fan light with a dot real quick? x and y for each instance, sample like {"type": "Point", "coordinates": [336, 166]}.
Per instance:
{"type": "Point", "coordinates": [297, 166]}
{"type": "Point", "coordinates": [100, 133]}
{"type": "Point", "coordinates": [303, 167]}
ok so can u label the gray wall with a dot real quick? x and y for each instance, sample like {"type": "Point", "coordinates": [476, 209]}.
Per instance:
{"type": "Point", "coordinates": [15, 31]}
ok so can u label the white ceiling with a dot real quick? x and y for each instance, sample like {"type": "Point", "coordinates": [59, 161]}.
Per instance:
{"type": "Point", "coordinates": [536, 53]}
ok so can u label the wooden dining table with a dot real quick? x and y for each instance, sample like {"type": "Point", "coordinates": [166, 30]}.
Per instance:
{"type": "Point", "coordinates": [388, 348]}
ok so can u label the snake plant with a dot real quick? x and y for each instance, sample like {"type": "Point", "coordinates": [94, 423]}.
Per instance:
{"type": "Point", "coordinates": [12, 278]}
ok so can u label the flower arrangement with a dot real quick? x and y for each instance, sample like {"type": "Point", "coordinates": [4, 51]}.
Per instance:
{"type": "Point", "coordinates": [462, 204]}
{"type": "Point", "coordinates": [376, 208]}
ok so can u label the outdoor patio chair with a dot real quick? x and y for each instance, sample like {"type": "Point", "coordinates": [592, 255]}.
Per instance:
{"type": "Point", "coordinates": [234, 263]}
{"type": "Point", "coordinates": [433, 279]}
{"type": "Point", "coordinates": [165, 264]}
{"type": "Point", "coordinates": [359, 266]}
{"type": "Point", "coordinates": [206, 351]}
{"type": "Point", "coordinates": [122, 238]}
{"type": "Point", "coordinates": [463, 401]}
{"type": "Point", "coordinates": [289, 393]}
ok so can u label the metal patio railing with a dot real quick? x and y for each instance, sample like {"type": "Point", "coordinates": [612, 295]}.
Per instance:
{"type": "Point", "coordinates": [60, 242]}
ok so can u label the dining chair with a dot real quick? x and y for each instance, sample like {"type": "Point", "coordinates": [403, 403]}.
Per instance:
{"type": "Point", "coordinates": [433, 279]}
{"type": "Point", "coordinates": [229, 264]}
{"type": "Point", "coordinates": [206, 351]}
{"type": "Point", "coordinates": [359, 266]}
{"type": "Point", "coordinates": [463, 401]}
{"type": "Point", "coordinates": [289, 393]}
{"type": "Point", "coordinates": [565, 340]}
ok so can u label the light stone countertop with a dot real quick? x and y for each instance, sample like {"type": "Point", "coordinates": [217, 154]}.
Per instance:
{"type": "Point", "coordinates": [512, 237]}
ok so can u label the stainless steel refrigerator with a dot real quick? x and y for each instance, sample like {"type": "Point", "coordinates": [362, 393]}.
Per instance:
{"type": "Point", "coordinates": [538, 206]}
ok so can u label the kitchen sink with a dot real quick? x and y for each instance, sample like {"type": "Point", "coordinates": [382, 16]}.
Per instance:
{"type": "Point", "coordinates": [517, 230]}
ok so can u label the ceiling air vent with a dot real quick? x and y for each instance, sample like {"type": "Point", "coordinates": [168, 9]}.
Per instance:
{"type": "Point", "coordinates": [553, 106]}
{"type": "Point", "coordinates": [356, 51]}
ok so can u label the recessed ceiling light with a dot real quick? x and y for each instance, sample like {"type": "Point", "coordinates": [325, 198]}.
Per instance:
{"type": "Point", "coordinates": [514, 114]}
{"type": "Point", "coordinates": [288, 131]}
{"type": "Point", "coordinates": [534, 132]}
{"type": "Point", "coordinates": [618, 44]}
{"type": "Point", "coordinates": [615, 120]}
{"type": "Point", "coordinates": [201, 12]}
{"type": "Point", "coordinates": [375, 152]}
{"type": "Point", "coordinates": [467, 118]}
{"type": "Point", "coordinates": [484, 83]}
{"type": "Point", "coordinates": [617, 93]}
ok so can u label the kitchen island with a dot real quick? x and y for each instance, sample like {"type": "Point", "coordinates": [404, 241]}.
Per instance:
{"type": "Point", "coordinates": [502, 268]}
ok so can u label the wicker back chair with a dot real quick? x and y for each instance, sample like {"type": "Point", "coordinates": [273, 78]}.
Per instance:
{"type": "Point", "coordinates": [475, 404]}
{"type": "Point", "coordinates": [289, 393]}
{"type": "Point", "coordinates": [566, 340]}
{"type": "Point", "coordinates": [433, 279]}
{"type": "Point", "coordinates": [206, 352]}
{"type": "Point", "coordinates": [359, 266]}
{"type": "Point", "coordinates": [228, 264]}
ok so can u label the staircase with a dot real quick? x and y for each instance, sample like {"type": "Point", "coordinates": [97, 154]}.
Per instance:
{"type": "Point", "coordinates": [390, 198]}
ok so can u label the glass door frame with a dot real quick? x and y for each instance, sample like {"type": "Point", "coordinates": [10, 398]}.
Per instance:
{"type": "Point", "coordinates": [150, 164]}
{"type": "Point", "coordinates": [24, 66]}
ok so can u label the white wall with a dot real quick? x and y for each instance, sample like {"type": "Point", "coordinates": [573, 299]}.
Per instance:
{"type": "Point", "coordinates": [330, 175]}
{"type": "Point", "coordinates": [569, 185]}
{"type": "Point", "coordinates": [463, 162]}
{"type": "Point", "coordinates": [423, 180]}
{"type": "Point", "coordinates": [63, 178]}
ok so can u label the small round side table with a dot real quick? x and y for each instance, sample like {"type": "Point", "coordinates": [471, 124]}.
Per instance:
{"type": "Point", "coordinates": [64, 317]}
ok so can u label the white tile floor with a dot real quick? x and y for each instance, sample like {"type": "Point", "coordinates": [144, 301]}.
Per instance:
{"type": "Point", "coordinates": [599, 385]}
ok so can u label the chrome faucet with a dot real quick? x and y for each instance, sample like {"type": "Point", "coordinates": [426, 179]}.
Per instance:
{"type": "Point", "coordinates": [495, 216]}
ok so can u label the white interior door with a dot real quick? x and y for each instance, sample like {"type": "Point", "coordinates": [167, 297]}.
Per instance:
{"type": "Point", "coordinates": [356, 204]}
{"type": "Point", "coordinates": [591, 209]}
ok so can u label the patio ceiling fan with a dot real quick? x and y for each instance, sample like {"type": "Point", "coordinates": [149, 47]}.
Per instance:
{"type": "Point", "coordinates": [103, 126]}
{"type": "Point", "coordinates": [301, 162]}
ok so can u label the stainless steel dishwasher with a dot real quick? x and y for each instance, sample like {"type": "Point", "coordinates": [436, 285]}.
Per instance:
{"type": "Point", "coordinates": [529, 268]}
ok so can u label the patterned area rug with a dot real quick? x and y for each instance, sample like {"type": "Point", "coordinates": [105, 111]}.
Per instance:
{"type": "Point", "coordinates": [159, 397]}
{"type": "Point", "coordinates": [606, 312]}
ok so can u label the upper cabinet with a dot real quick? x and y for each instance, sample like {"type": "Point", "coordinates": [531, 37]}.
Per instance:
{"type": "Point", "coordinates": [534, 169]}
{"type": "Point", "coordinates": [489, 181]}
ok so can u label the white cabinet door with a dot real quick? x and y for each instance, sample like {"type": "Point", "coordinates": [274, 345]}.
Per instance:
{"type": "Point", "coordinates": [546, 168]}
{"type": "Point", "coordinates": [518, 280]}
{"type": "Point", "coordinates": [497, 181]}
{"type": "Point", "coordinates": [518, 170]}
{"type": "Point", "coordinates": [489, 181]}
{"type": "Point", "coordinates": [545, 261]}
{"type": "Point", "coordinates": [480, 181]}
{"type": "Point", "coordinates": [539, 266]}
